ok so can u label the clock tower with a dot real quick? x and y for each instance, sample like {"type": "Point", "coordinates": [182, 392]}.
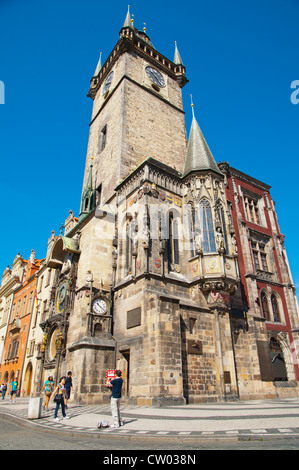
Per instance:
{"type": "Point", "coordinates": [137, 110]}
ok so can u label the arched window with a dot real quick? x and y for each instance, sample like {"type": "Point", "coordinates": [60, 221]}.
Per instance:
{"type": "Point", "coordinates": [275, 308]}
{"type": "Point", "coordinates": [265, 306]}
{"type": "Point", "coordinates": [173, 243]}
{"type": "Point", "coordinates": [278, 361]}
{"type": "Point", "coordinates": [193, 223]}
{"type": "Point", "coordinates": [129, 248]}
{"type": "Point", "coordinates": [208, 234]}
{"type": "Point", "coordinates": [221, 219]}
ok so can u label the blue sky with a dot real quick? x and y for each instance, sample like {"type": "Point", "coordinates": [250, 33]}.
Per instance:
{"type": "Point", "coordinates": [241, 57]}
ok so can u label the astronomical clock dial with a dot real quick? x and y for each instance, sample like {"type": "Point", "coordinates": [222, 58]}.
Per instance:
{"type": "Point", "coordinates": [99, 306]}
{"type": "Point", "coordinates": [107, 83]}
{"type": "Point", "coordinates": [61, 297]}
{"type": "Point", "coordinates": [53, 345]}
{"type": "Point", "coordinates": [155, 76]}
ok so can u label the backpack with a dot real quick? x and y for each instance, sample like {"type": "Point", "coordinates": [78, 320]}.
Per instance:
{"type": "Point", "coordinates": [103, 424]}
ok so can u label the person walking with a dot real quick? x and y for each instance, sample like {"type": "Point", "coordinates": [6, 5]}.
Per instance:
{"type": "Point", "coordinates": [14, 390]}
{"type": "Point", "coordinates": [4, 390]}
{"type": "Point", "coordinates": [116, 386]}
{"type": "Point", "coordinates": [48, 387]}
{"type": "Point", "coordinates": [68, 387]}
{"type": "Point", "coordinates": [59, 397]}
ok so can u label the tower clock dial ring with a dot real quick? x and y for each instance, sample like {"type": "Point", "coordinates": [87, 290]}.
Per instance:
{"type": "Point", "coordinates": [99, 306]}
{"type": "Point", "coordinates": [107, 83]}
{"type": "Point", "coordinates": [155, 76]}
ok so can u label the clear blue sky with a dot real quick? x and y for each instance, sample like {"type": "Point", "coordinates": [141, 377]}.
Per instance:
{"type": "Point", "coordinates": [241, 57]}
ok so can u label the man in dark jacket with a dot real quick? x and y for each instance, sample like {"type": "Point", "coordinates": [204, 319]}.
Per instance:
{"type": "Point", "coordinates": [116, 386]}
{"type": "Point", "coordinates": [68, 387]}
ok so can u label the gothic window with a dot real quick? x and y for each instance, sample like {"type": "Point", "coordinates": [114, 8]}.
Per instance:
{"type": "Point", "coordinates": [255, 255]}
{"type": "Point", "coordinates": [263, 257]}
{"type": "Point", "coordinates": [221, 219]}
{"type": "Point", "coordinates": [252, 210]}
{"type": "Point", "coordinates": [129, 248]}
{"type": "Point", "coordinates": [265, 306]}
{"type": "Point", "coordinates": [259, 255]}
{"type": "Point", "coordinates": [275, 309]}
{"type": "Point", "coordinates": [208, 234]}
{"type": "Point", "coordinates": [194, 228]}
{"type": "Point", "coordinates": [173, 243]}
{"type": "Point", "coordinates": [278, 361]}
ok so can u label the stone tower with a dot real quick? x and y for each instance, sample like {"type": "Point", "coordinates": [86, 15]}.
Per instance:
{"type": "Point", "coordinates": [137, 110]}
{"type": "Point", "coordinates": [147, 278]}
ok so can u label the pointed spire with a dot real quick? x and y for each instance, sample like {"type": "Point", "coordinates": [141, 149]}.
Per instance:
{"type": "Point", "coordinates": [177, 58]}
{"type": "Point", "coordinates": [87, 200]}
{"type": "Point", "coordinates": [128, 20]}
{"type": "Point", "coordinates": [198, 155]}
{"type": "Point", "coordinates": [89, 181]}
{"type": "Point", "coordinates": [99, 66]}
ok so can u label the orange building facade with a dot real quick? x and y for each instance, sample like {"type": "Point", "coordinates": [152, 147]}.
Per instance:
{"type": "Point", "coordinates": [15, 346]}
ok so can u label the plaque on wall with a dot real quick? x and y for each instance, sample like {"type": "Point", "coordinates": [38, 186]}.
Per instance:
{"type": "Point", "coordinates": [194, 346]}
{"type": "Point", "coordinates": [134, 318]}
{"type": "Point", "coordinates": [227, 379]}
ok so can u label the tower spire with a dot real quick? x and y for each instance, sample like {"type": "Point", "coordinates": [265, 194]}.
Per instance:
{"type": "Point", "coordinates": [198, 156]}
{"type": "Point", "coordinates": [177, 58]}
{"type": "Point", "coordinates": [128, 20]}
{"type": "Point", "coordinates": [99, 66]}
{"type": "Point", "coordinates": [87, 201]}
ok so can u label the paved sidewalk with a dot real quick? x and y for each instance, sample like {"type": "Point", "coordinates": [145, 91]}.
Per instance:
{"type": "Point", "coordinates": [262, 419]}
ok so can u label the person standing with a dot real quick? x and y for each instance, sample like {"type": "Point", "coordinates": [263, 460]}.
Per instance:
{"type": "Point", "coordinates": [68, 387]}
{"type": "Point", "coordinates": [59, 397]}
{"type": "Point", "coordinates": [14, 390]}
{"type": "Point", "coordinates": [116, 386]}
{"type": "Point", "coordinates": [48, 387]}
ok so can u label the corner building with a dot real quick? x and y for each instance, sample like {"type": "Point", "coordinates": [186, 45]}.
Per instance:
{"type": "Point", "coordinates": [148, 278]}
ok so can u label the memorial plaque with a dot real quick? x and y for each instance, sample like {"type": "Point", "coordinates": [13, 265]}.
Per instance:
{"type": "Point", "coordinates": [194, 346]}
{"type": "Point", "coordinates": [227, 379]}
{"type": "Point", "coordinates": [134, 318]}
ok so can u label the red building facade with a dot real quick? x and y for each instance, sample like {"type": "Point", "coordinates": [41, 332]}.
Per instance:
{"type": "Point", "coordinates": [265, 306]}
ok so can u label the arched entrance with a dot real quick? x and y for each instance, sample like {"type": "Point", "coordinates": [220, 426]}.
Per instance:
{"type": "Point", "coordinates": [278, 361]}
{"type": "Point", "coordinates": [11, 378]}
{"type": "Point", "coordinates": [5, 378]}
{"type": "Point", "coordinates": [28, 380]}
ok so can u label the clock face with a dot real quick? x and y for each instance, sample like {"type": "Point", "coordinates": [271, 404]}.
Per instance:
{"type": "Point", "coordinates": [99, 306]}
{"type": "Point", "coordinates": [107, 83]}
{"type": "Point", "coordinates": [155, 76]}
{"type": "Point", "coordinates": [53, 345]}
{"type": "Point", "coordinates": [60, 298]}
